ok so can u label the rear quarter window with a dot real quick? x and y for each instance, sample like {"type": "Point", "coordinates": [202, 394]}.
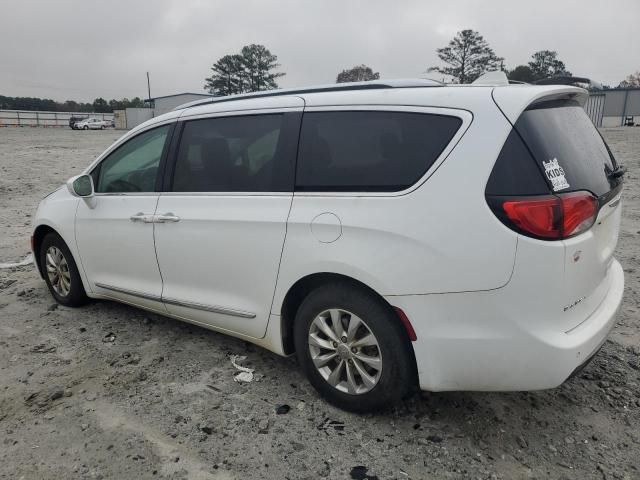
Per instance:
{"type": "Point", "coordinates": [369, 150]}
{"type": "Point", "coordinates": [564, 142]}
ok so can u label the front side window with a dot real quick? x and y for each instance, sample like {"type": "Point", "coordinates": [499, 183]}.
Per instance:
{"type": "Point", "coordinates": [234, 154]}
{"type": "Point", "coordinates": [133, 167]}
{"type": "Point", "coordinates": [369, 150]}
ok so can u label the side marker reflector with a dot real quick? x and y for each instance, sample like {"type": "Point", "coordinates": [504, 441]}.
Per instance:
{"type": "Point", "coordinates": [406, 323]}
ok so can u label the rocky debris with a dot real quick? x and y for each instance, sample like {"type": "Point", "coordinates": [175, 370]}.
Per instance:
{"type": "Point", "coordinates": [520, 440]}
{"type": "Point", "coordinates": [44, 348]}
{"type": "Point", "coordinates": [109, 337]}
{"type": "Point", "coordinates": [126, 358]}
{"type": "Point", "coordinates": [360, 473]}
{"type": "Point", "coordinates": [283, 409]}
{"type": "Point", "coordinates": [4, 284]}
{"type": "Point", "coordinates": [263, 426]}
{"type": "Point", "coordinates": [43, 399]}
{"type": "Point", "coordinates": [329, 425]}
{"type": "Point", "coordinates": [324, 470]}
{"type": "Point", "coordinates": [25, 293]}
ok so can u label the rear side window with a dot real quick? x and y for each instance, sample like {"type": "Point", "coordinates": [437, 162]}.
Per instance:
{"type": "Point", "coordinates": [567, 148]}
{"type": "Point", "coordinates": [515, 171]}
{"type": "Point", "coordinates": [369, 151]}
{"type": "Point", "coordinates": [237, 154]}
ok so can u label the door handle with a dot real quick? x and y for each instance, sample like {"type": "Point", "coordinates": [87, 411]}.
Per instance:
{"type": "Point", "coordinates": [141, 217]}
{"type": "Point", "coordinates": [167, 217]}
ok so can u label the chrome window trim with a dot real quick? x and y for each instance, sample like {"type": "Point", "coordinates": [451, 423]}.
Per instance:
{"type": "Point", "coordinates": [269, 110]}
{"type": "Point", "coordinates": [226, 194]}
{"type": "Point", "coordinates": [126, 194]}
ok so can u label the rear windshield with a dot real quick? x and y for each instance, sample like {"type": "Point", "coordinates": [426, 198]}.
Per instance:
{"type": "Point", "coordinates": [567, 147]}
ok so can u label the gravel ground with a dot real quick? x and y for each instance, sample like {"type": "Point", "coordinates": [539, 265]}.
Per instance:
{"type": "Point", "coordinates": [109, 391]}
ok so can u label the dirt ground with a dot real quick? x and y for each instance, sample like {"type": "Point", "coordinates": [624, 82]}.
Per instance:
{"type": "Point", "coordinates": [109, 391]}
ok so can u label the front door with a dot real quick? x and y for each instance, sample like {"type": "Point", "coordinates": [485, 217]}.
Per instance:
{"type": "Point", "coordinates": [114, 229]}
{"type": "Point", "coordinates": [222, 225]}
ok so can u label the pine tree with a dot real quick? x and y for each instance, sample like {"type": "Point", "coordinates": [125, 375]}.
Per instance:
{"type": "Point", "coordinates": [467, 56]}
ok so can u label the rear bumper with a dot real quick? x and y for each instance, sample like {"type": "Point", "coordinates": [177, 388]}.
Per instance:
{"type": "Point", "coordinates": [486, 341]}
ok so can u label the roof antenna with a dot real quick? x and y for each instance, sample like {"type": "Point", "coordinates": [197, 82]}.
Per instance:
{"type": "Point", "coordinates": [492, 78]}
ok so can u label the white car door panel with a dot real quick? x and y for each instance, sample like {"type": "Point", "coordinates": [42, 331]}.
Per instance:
{"type": "Point", "coordinates": [116, 249]}
{"type": "Point", "coordinates": [224, 226]}
{"type": "Point", "coordinates": [114, 229]}
{"type": "Point", "coordinates": [220, 260]}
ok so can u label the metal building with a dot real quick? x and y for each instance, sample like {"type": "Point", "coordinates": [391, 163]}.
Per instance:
{"type": "Point", "coordinates": [615, 107]}
{"type": "Point", "coordinates": [167, 103]}
{"type": "Point", "coordinates": [132, 117]}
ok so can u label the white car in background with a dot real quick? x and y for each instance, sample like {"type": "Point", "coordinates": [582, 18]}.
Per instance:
{"type": "Point", "coordinates": [91, 124]}
{"type": "Point", "coordinates": [391, 234]}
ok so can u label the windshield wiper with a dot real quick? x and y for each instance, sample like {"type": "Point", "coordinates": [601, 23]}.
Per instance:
{"type": "Point", "coordinates": [617, 172]}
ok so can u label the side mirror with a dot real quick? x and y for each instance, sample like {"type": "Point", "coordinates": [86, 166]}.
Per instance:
{"type": "Point", "coordinates": [81, 186]}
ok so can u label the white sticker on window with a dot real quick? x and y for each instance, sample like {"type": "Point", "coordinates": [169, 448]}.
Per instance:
{"type": "Point", "coordinates": [555, 173]}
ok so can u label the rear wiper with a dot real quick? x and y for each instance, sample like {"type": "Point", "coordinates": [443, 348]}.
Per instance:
{"type": "Point", "coordinates": [617, 172]}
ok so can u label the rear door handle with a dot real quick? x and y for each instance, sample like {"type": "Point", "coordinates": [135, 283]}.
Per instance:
{"type": "Point", "coordinates": [141, 217]}
{"type": "Point", "coordinates": [167, 217]}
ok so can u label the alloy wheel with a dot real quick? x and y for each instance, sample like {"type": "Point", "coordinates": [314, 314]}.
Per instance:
{"type": "Point", "coordinates": [58, 271]}
{"type": "Point", "coordinates": [345, 351]}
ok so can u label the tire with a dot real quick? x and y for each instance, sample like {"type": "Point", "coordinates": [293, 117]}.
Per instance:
{"type": "Point", "coordinates": [67, 289]}
{"type": "Point", "coordinates": [102, 127]}
{"type": "Point", "coordinates": [396, 376]}
{"type": "Point", "coordinates": [86, 127]}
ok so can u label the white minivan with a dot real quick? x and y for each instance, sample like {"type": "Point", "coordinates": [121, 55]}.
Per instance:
{"type": "Point", "coordinates": [391, 234]}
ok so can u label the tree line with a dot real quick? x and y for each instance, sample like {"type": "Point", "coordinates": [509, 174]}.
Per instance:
{"type": "Point", "coordinates": [465, 58]}
{"type": "Point", "coordinates": [251, 70]}
{"type": "Point", "coordinates": [99, 105]}
{"type": "Point", "coordinates": [254, 68]}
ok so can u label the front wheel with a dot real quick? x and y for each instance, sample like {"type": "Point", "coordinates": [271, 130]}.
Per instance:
{"type": "Point", "coordinates": [85, 127]}
{"type": "Point", "coordinates": [353, 348]}
{"type": "Point", "coordinates": [60, 272]}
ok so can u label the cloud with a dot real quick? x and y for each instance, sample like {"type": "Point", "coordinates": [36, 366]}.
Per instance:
{"type": "Point", "coordinates": [81, 50]}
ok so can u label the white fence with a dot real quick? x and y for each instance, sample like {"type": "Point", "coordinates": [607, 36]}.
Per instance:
{"type": "Point", "coordinates": [595, 108]}
{"type": "Point", "coordinates": [27, 118]}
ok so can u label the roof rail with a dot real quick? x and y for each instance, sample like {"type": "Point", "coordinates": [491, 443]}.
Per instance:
{"type": "Point", "coordinates": [335, 87]}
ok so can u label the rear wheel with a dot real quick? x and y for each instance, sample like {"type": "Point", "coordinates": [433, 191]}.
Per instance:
{"type": "Point", "coordinates": [352, 348]}
{"type": "Point", "coordinates": [60, 272]}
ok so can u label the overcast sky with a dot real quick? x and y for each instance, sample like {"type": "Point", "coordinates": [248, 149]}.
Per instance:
{"type": "Point", "coordinates": [80, 50]}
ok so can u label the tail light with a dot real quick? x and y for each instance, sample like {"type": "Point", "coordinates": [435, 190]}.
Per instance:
{"type": "Point", "coordinates": [548, 217]}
